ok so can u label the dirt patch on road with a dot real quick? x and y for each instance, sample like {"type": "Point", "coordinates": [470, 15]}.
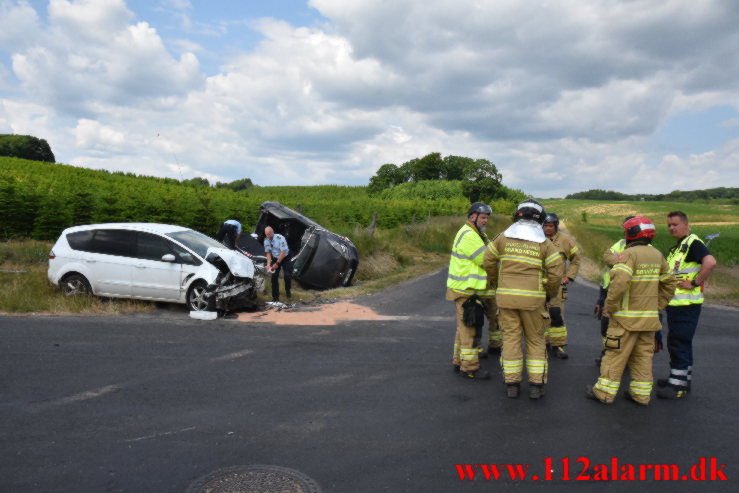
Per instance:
{"type": "Point", "coordinates": [329, 314]}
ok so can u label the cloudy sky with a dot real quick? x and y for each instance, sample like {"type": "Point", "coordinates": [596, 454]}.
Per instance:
{"type": "Point", "coordinates": [562, 95]}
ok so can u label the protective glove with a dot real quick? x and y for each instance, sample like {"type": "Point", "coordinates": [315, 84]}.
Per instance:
{"type": "Point", "coordinates": [658, 342]}
{"type": "Point", "coordinates": [598, 311]}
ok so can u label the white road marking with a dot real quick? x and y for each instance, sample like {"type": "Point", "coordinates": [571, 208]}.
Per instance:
{"type": "Point", "coordinates": [108, 389]}
{"type": "Point", "coordinates": [231, 356]}
{"type": "Point", "coordinates": [159, 435]}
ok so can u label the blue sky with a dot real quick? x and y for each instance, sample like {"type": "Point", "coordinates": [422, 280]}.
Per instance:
{"type": "Point", "coordinates": [638, 96]}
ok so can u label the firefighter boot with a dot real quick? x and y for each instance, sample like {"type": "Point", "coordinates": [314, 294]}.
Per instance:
{"type": "Point", "coordinates": [475, 375]}
{"type": "Point", "coordinates": [481, 353]}
{"type": "Point", "coordinates": [513, 390]}
{"type": "Point", "coordinates": [629, 397]}
{"type": "Point", "coordinates": [536, 390]}
{"type": "Point", "coordinates": [589, 394]}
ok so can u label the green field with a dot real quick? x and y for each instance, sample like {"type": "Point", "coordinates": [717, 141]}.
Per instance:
{"type": "Point", "coordinates": [597, 225]}
{"type": "Point", "coordinates": [604, 219]}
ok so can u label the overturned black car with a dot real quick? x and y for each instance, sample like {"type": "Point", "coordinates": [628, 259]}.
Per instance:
{"type": "Point", "coordinates": [321, 259]}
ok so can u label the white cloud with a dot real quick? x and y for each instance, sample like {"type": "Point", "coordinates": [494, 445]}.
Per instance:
{"type": "Point", "coordinates": [563, 96]}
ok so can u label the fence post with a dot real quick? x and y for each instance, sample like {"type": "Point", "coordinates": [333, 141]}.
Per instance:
{"type": "Point", "coordinates": [373, 225]}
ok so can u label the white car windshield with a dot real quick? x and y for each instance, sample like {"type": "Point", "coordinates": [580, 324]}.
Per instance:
{"type": "Point", "coordinates": [197, 242]}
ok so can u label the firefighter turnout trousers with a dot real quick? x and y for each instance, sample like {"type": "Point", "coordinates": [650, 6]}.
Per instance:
{"type": "Point", "coordinates": [495, 335]}
{"type": "Point", "coordinates": [528, 325]}
{"type": "Point", "coordinates": [467, 340]}
{"type": "Point", "coordinates": [635, 348]}
{"type": "Point", "coordinates": [556, 332]}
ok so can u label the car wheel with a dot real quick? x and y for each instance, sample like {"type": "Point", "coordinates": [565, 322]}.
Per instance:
{"type": "Point", "coordinates": [196, 296]}
{"type": "Point", "coordinates": [75, 284]}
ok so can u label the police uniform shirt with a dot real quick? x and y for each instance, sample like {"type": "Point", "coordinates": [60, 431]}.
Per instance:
{"type": "Point", "coordinates": [235, 223]}
{"type": "Point", "coordinates": [695, 253]}
{"type": "Point", "coordinates": [276, 245]}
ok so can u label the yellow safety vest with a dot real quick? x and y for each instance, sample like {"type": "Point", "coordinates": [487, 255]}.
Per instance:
{"type": "Point", "coordinates": [466, 274]}
{"type": "Point", "coordinates": [685, 270]}
{"type": "Point", "coordinates": [617, 247]}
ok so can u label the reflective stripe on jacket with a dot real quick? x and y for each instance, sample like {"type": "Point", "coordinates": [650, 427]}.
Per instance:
{"type": "Point", "coordinates": [610, 259]}
{"type": "Point", "coordinates": [685, 270]}
{"type": "Point", "coordinates": [466, 275]}
{"type": "Point", "coordinates": [640, 286]}
{"type": "Point", "coordinates": [569, 250]}
{"type": "Point", "coordinates": [524, 272]}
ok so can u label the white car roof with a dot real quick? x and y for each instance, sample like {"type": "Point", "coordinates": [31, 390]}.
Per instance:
{"type": "Point", "coordinates": [148, 227]}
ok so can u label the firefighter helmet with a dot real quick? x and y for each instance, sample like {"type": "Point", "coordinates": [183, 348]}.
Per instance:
{"type": "Point", "coordinates": [639, 227]}
{"type": "Point", "coordinates": [479, 208]}
{"type": "Point", "coordinates": [551, 217]}
{"type": "Point", "coordinates": [529, 209]}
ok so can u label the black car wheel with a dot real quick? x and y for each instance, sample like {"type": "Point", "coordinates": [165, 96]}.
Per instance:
{"type": "Point", "coordinates": [75, 284]}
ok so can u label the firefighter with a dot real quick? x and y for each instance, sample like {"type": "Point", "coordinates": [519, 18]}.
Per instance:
{"type": "Point", "coordinates": [556, 333]}
{"type": "Point", "coordinates": [467, 278]}
{"type": "Point", "coordinates": [691, 263]}
{"type": "Point", "coordinates": [611, 257]}
{"type": "Point", "coordinates": [516, 262]}
{"type": "Point", "coordinates": [641, 285]}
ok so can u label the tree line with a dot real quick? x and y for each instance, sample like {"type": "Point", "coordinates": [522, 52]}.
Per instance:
{"type": "Point", "coordinates": [721, 193]}
{"type": "Point", "coordinates": [39, 200]}
{"type": "Point", "coordinates": [478, 179]}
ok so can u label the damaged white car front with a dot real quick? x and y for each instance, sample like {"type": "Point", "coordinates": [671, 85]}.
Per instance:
{"type": "Point", "coordinates": [236, 285]}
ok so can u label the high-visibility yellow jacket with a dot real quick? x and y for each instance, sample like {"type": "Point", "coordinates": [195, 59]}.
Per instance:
{"type": "Point", "coordinates": [523, 272]}
{"type": "Point", "coordinates": [466, 275]}
{"type": "Point", "coordinates": [570, 252]}
{"type": "Point", "coordinates": [641, 285]}
{"type": "Point", "coordinates": [685, 270]}
{"type": "Point", "coordinates": [609, 257]}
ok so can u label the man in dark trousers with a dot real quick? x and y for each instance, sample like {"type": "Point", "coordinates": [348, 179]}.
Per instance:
{"type": "Point", "coordinates": [278, 258]}
{"type": "Point", "coordinates": [229, 233]}
{"type": "Point", "coordinates": [691, 263]}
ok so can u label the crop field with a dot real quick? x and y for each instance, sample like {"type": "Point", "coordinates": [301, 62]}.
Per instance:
{"type": "Point", "coordinates": [597, 225]}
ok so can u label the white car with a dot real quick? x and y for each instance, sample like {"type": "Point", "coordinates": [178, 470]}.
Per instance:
{"type": "Point", "coordinates": [157, 262]}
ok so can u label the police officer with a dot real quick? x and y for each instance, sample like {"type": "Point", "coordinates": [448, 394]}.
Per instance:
{"type": "Point", "coordinates": [691, 263]}
{"type": "Point", "coordinates": [467, 278]}
{"type": "Point", "coordinates": [641, 284]}
{"type": "Point", "coordinates": [556, 334]}
{"type": "Point", "coordinates": [516, 262]}
{"type": "Point", "coordinates": [278, 259]}
{"type": "Point", "coordinates": [229, 233]}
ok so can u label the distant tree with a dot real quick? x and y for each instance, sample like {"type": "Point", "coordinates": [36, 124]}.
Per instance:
{"type": "Point", "coordinates": [236, 185]}
{"type": "Point", "coordinates": [198, 182]}
{"type": "Point", "coordinates": [482, 181]}
{"type": "Point", "coordinates": [455, 167]}
{"type": "Point", "coordinates": [429, 167]}
{"type": "Point", "coordinates": [388, 175]}
{"type": "Point", "coordinates": [26, 147]}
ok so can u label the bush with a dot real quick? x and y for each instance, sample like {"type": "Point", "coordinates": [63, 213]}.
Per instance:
{"type": "Point", "coordinates": [426, 190]}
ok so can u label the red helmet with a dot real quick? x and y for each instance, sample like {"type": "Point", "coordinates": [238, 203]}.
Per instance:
{"type": "Point", "coordinates": [639, 227]}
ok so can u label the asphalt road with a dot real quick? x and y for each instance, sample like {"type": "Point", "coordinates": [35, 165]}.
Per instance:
{"type": "Point", "coordinates": [151, 403]}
